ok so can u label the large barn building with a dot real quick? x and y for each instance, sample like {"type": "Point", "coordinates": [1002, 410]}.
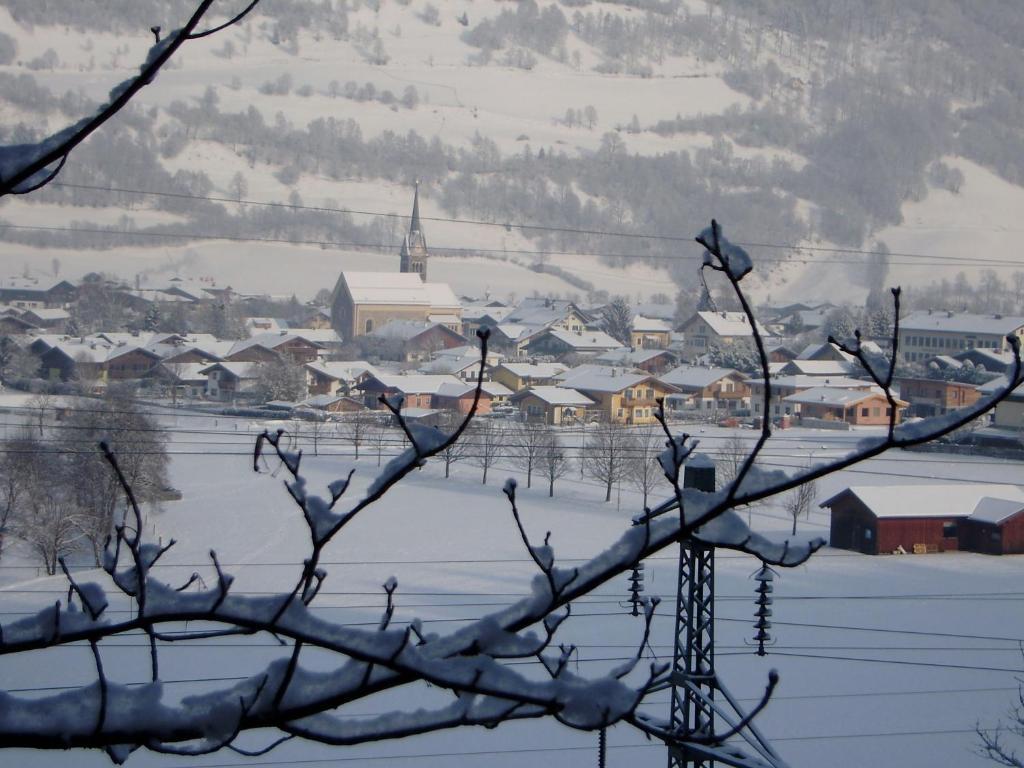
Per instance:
{"type": "Point", "coordinates": [928, 518]}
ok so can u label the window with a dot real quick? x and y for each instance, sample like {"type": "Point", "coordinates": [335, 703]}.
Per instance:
{"type": "Point", "coordinates": [888, 411]}
{"type": "Point", "coordinates": [864, 411]}
{"type": "Point", "coordinates": [620, 413]}
{"type": "Point", "coordinates": [629, 394]}
{"type": "Point", "coordinates": [875, 411]}
{"type": "Point", "coordinates": [369, 325]}
{"type": "Point", "coordinates": [650, 394]}
{"type": "Point", "coordinates": [949, 530]}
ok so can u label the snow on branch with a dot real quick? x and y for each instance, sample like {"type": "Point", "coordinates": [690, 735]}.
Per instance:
{"type": "Point", "coordinates": [474, 662]}
{"type": "Point", "coordinates": [24, 168]}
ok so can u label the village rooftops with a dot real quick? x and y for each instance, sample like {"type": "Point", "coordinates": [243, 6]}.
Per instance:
{"type": "Point", "coordinates": [344, 370]}
{"type": "Point", "coordinates": [807, 382]}
{"type": "Point", "coordinates": [591, 381]}
{"type": "Point", "coordinates": [940, 500]}
{"type": "Point", "coordinates": [410, 384]}
{"type": "Point", "coordinates": [952, 322]}
{"type": "Point", "coordinates": [535, 370]}
{"type": "Point", "coordinates": [643, 324]}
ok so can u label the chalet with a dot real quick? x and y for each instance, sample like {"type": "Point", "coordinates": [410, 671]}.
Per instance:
{"type": "Point", "coordinates": [933, 397]}
{"type": "Point", "coordinates": [11, 325]}
{"type": "Point", "coordinates": [653, 361]}
{"type": "Point", "coordinates": [549, 313]}
{"type": "Point", "coordinates": [459, 397]}
{"type": "Point", "coordinates": [32, 293]}
{"type": "Point", "coordinates": [334, 404]}
{"type": "Point", "coordinates": [364, 301]}
{"type": "Point", "coordinates": [267, 347]}
{"type": "Point", "coordinates": [227, 380]}
{"type": "Point", "coordinates": [867, 408]}
{"type": "Point", "coordinates": [829, 368]}
{"type": "Point", "coordinates": [708, 388]}
{"type": "Point", "coordinates": [557, 342]}
{"type": "Point", "coordinates": [1009, 413]}
{"type": "Point", "coordinates": [513, 339]}
{"type": "Point", "coordinates": [417, 390]}
{"type": "Point", "coordinates": [552, 405]}
{"type": "Point", "coordinates": [706, 329]}
{"type": "Point", "coordinates": [927, 333]}
{"type": "Point", "coordinates": [624, 398]}
{"type": "Point", "coordinates": [784, 386]}
{"type": "Point", "coordinates": [64, 359]}
{"type": "Point", "coordinates": [419, 339]}
{"type": "Point", "coordinates": [476, 316]}
{"type": "Point", "coordinates": [649, 333]}
{"type": "Point", "coordinates": [53, 319]}
{"type": "Point", "coordinates": [518, 376]}
{"type": "Point", "coordinates": [463, 362]}
{"type": "Point", "coordinates": [183, 379]}
{"type": "Point", "coordinates": [824, 351]}
{"type": "Point", "coordinates": [126, 362]}
{"type": "Point", "coordinates": [927, 518]}
{"type": "Point", "coordinates": [330, 378]}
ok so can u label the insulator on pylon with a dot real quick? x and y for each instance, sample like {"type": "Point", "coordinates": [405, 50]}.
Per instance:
{"type": "Point", "coordinates": [636, 586]}
{"type": "Point", "coordinates": [764, 576]}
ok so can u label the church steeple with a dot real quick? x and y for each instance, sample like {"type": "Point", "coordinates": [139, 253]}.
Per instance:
{"type": "Point", "coordinates": [413, 255]}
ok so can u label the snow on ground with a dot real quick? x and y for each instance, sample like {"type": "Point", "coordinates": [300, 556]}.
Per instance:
{"type": "Point", "coordinates": [920, 648]}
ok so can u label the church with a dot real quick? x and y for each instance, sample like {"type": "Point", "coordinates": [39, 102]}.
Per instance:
{"type": "Point", "coordinates": [365, 301]}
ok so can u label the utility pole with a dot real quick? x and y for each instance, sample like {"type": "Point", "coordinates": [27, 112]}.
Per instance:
{"type": "Point", "coordinates": [699, 700]}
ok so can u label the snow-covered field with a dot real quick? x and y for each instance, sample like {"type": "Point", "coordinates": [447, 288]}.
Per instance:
{"type": "Point", "coordinates": [885, 661]}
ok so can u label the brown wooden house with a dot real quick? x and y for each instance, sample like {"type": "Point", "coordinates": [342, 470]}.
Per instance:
{"type": "Point", "coordinates": [934, 397]}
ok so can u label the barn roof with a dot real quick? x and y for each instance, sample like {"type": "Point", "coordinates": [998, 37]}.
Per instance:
{"type": "Point", "coordinates": [940, 500]}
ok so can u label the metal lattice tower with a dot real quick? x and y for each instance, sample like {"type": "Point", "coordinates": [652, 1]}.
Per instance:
{"type": "Point", "coordinates": [693, 662]}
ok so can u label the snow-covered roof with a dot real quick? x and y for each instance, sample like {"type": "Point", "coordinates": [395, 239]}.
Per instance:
{"type": "Point", "coordinates": [345, 370]}
{"type": "Point", "coordinates": [807, 382]}
{"type": "Point", "coordinates": [268, 340]}
{"type": "Point", "coordinates": [940, 500]}
{"type": "Point", "coordinates": [951, 322]}
{"type": "Point", "coordinates": [606, 381]}
{"type": "Point", "coordinates": [730, 323]}
{"type": "Point", "coordinates": [821, 367]}
{"type": "Point", "coordinates": [537, 311]}
{"type": "Point", "coordinates": [322, 401]}
{"type": "Point", "coordinates": [629, 357]}
{"type": "Point", "coordinates": [46, 313]}
{"type": "Point", "coordinates": [556, 396]}
{"type": "Point", "coordinates": [192, 372]}
{"type": "Point", "coordinates": [415, 383]}
{"type": "Point", "coordinates": [588, 340]}
{"type": "Point", "coordinates": [643, 324]}
{"type": "Point", "coordinates": [994, 510]}
{"type": "Point", "coordinates": [262, 324]}
{"type": "Point", "coordinates": [239, 370]}
{"type": "Point", "coordinates": [825, 351]}
{"type": "Point", "coordinates": [695, 376]}
{"type": "Point", "coordinates": [535, 370]}
{"type": "Point", "coordinates": [398, 288]}
{"type": "Point", "coordinates": [480, 311]}
{"type": "Point", "coordinates": [406, 330]}
{"type": "Point", "coordinates": [835, 396]}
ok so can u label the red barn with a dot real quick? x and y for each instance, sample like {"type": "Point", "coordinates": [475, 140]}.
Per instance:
{"type": "Point", "coordinates": [926, 518]}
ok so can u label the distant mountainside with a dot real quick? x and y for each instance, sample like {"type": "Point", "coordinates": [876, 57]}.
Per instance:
{"type": "Point", "coordinates": [851, 124]}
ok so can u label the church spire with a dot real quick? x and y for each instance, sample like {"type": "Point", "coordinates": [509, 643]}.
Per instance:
{"type": "Point", "coordinates": [415, 225]}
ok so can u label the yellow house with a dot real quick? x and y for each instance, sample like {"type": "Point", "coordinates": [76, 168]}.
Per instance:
{"type": "Point", "coordinates": [519, 376]}
{"type": "Point", "coordinates": [622, 398]}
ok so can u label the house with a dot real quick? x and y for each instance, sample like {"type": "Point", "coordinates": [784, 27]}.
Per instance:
{"type": "Point", "coordinates": [829, 368]}
{"type": "Point", "coordinates": [653, 361]}
{"type": "Point", "coordinates": [518, 376]}
{"type": "Point", "coordinates": [866, 408]}
{"type": "Point", "coordinates": [184, 379]}
{"type": "Point", "coordinates": [706, 329]}
{"type": "Point", "coordinates": [463, 362]}
{"type": "Point", "coordinates": [933, 397]}
{"type": "Point", "coordinates": [33, 293]}
{"type": "Point", "coordinates": [330, 378]}
{"type": "Point", "coordinates": [53, 319]}
{"type": "Point", "coordinates": [12, 325]}
{"type": "Point", "coordinates": [982, 359]}
{"type": "Point", "coordinates": [925, 518]}
{"type": "Point", "coordinates": [267, 347]}
{"type": "Point", "coordinates": [552, 405]}
{"type": "Point", "coordinates": [364, 301]}
{"type": "Point", "coordinates": [708, 388]}
{"type": "Point", "coordinates": [416, 390]}
{"type": "Point", "coordinates": [419, 339]}
{"type": "Point", "coordinates": [622, 398]}
{"type": "Point", "coordinates": [927, 333]}
{"type": "Point", "coordinates": [459, 397]}
{"type": "Point", "coordinates": [549, 313]}
{"type": "Point", "coordinates": [227, 380]}
{"type": "Point", "coordinates": [825, 351]}
{"type": "Point", "coordinates": [784, 386]}
{"type": "Point", "coordinates": [649, 333]}
{"type": "Point", "coordinates": [1009, 413]}
{"type": "Point", "coordinates": [126, 362]}
{"type": "Point", "coordinates": [558, 342]}
{"type": "Point", "coordinates": [476, 316]}
{"type": "Point", "coordinates": [334, 404]}
{"type": "Point", "coordinates": [64, 359]}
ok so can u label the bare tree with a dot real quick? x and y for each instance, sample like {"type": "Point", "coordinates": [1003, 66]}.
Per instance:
{"type": "Point", "coordinates": [992, 741]}
{"type": "Point", "coordinates": [607, 455]}
{"type": "Point", "coordinates": [800, 501]}
{"type": "Point", "coordinates": [527, 445]}
{"type": "Point", "coordinates": [39, 404]}
{"type": "Point", "coordinates": [16, 475]}
{"type": "Point", "coordinates": [617, 319]}
{"type": "Point", "coordinates": [380, 434]}
{"type": "Point", "coordinates": [642, 469]}
{"type": "Point", "coordinates": [479, 662]}
{"type": "Point", "coordinates": [27, 167]}
{"type": "Point", "coordinates": [456, 451]}
{"type": "Point", "coordinates": [48, 521]}
{"type": "Point", "coordinates": [485, 441]}
{"type": "Point", "coordinates": [359, 428]}
{"type": "Point", "coordinates": [554, 461]}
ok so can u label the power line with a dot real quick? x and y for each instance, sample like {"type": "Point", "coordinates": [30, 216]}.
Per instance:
{"type": "Point", "coordinates": [526, 226]}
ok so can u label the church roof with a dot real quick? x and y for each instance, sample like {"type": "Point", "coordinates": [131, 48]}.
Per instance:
{"type": "Point", "coordinates": [398, 288]}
